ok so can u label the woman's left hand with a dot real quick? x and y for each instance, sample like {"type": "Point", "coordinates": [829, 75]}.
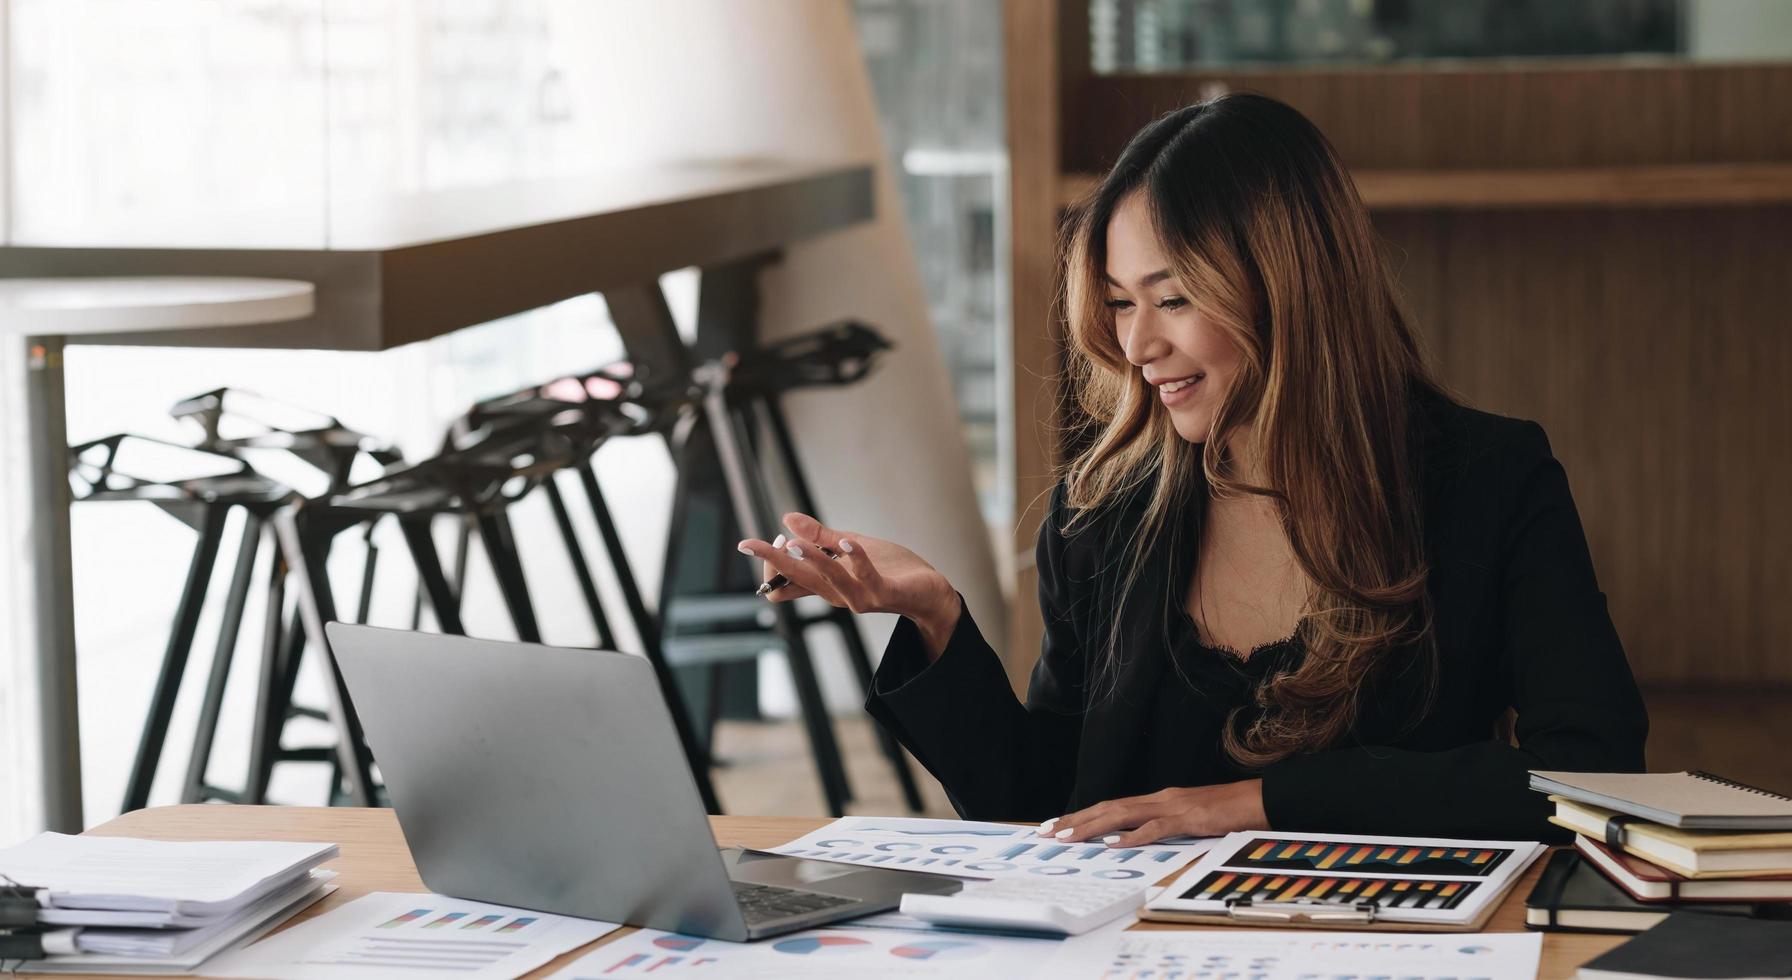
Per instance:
{"type": "Point", "coordinates": [1192, 811]}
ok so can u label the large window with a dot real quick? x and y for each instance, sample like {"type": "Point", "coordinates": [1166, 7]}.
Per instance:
{"type": "Point", "coordinates": [262, 123]}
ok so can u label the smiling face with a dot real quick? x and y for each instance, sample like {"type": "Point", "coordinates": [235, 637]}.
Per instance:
{"type": "Point", "coordinates": [1179, 351]}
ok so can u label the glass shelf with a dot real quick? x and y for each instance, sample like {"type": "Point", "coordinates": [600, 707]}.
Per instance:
{"type": "Point", "coordinates": [1166, 36]}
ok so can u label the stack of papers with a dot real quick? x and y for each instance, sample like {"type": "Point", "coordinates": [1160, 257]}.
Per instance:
{"type": "Point", "coordinates": [124, 905]}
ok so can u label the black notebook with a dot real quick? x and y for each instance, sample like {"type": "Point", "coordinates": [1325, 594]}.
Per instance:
{"type": "Point", "coordinates": [1572, 895]}
{"type": "Point", "coordinates": [1695, 945]}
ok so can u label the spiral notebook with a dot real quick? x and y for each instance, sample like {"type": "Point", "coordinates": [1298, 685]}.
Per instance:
{"type": "Point", "coordinates": [1685, 800]}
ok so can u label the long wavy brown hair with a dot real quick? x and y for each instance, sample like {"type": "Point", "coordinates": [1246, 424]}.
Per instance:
{"type": "Point", "coordinates": [1267, 236]}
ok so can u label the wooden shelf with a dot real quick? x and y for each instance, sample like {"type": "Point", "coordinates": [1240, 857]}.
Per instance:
{"type": "Point", "coordinates": [1703, 184]}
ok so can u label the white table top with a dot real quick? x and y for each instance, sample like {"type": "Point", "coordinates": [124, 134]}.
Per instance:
{"type": "Point", "coordinates": [116, 304]}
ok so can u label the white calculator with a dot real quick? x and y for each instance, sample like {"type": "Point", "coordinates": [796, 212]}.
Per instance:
{"type": "Point", "coordinates": [1048, 904]}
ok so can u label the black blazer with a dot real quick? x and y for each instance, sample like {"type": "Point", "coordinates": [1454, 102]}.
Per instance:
{"type": "Point", "coordinates": [1519, 622]}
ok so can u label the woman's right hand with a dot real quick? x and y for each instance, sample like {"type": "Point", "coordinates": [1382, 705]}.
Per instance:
{"type": "Point", "coordinates": [871, 575]}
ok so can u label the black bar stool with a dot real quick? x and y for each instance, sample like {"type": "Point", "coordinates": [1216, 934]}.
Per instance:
{"type": "Point", "coordinates": [839, 354]}
{"type": "Point", "coordinates": [739, 408]}
{"type": "Point", "coordinates": [547, 429]}
{"type": "Point", "coordinates": [410, 494]}
{"type": "Point", "coordinates": [101, 471]}
{"type": "Point", "coordinates": [250, 426]}
{"type": "Point", "coordinates": [484, 470]}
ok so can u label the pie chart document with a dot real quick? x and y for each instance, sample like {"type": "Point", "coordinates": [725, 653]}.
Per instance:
{"type": "Point", "coordinates": [862, 954]}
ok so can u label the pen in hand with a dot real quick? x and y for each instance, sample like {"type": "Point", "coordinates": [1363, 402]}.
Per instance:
{"type": "Point", "coordinates": [778, 581]}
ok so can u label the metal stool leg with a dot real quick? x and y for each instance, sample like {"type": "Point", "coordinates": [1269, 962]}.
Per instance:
{"type": "Point", "coordinates": [305, 555]}
{"type": "Point", "coordinates": [270, 705]}
{"type": "Point", "coordinates": [229, 629]}
{"type": "Point", "coordinates": [647, 625]}
{"type": "Point", "coordinates": [364, 602]}
{"type": "Point", "coordinates": [363, 609]}
{"type": "Point", "coordinates": [292, 655]}
{"type": "Point", "coordinates": [463, 546]}
{"type": "Point", "coordinates": [842, 618]}
{"type": "Point", "coordinates": [712, 707]}
{"type": "Point", "coordinates": [696, 753]}
{"type": "Point", "coordinates": [753, 512]}
{"type": "Point", "coordinates": [433, 583]}
{"type": "Point", "coordinates": [210, 523]}
{"type": "Point", "coordinates": [500, 551]}
{"type": "Point", "coordinates": [581, 570]}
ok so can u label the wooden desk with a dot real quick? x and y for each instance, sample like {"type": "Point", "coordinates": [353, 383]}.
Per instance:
{"type": "Point", "coordinates": [375, 858]}
{"type": "Point", "coordinates": [399, 269]}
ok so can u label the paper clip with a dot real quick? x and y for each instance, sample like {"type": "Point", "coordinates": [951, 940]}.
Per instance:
{"type": "Point", "coordinates": [1244, 910]}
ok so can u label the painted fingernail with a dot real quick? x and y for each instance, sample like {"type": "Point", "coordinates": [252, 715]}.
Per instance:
{"type": "Point", "coordinates": [794, 551]}
{"type": "Point", "coordinates": [743, 549]}
{"type": "Point", "coordinates": [1066, 832]}
{"type": "Point", "coordinates": [846, 546]}
{"type": "Point", "coordinates": [1111, 839]}
{"type": "Point", "coordinates": [778, 542]}
{"type": "Point", "coordinates": [1045, 826]}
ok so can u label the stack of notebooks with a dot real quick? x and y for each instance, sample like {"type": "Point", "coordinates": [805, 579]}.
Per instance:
{"type": "Point", "coordinates": [122, 905]}
{"type": "Point", "coordinates": [1650, 844]}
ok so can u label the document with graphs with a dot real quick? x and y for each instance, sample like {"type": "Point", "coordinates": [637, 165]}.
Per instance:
{"type": "Point", "coordinates": [1266, 878]}
{"type": "Point", "coordinates": [972, 849]}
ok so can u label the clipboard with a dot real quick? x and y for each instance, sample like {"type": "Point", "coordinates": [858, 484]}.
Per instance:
{"type": "Point", "coordinates": [1298, 915]}
{"type": "Point", "coordinates": [1345, 881]}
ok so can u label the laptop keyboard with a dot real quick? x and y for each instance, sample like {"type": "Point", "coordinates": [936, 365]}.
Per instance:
{"type": "Point", "coordinates": [763, 903]}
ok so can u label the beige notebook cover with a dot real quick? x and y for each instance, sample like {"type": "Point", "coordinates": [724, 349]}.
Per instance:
{"type": "Point", "coordinates": [1689, 800]}
{"type": "Point", "coordinates": [1693, 853]}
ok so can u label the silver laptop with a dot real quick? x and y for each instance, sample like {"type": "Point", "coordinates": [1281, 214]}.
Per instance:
{"type": "Point", "coordinates": [552, 779]}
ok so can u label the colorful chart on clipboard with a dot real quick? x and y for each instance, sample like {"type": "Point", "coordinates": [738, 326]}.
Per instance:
{"type": "Point", "coordinates": [1283, 854]}
{"type": "Point", "coordinates": [1219, 886]}
{"type": "Point", "coordinates": [1409, 879]}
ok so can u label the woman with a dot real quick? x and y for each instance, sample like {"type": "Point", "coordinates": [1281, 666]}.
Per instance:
{"type": "Point", "coordinates": [1289, 583]}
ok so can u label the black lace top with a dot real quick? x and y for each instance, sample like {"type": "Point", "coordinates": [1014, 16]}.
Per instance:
{"type": "Point", "coordinates": [1195, 696]}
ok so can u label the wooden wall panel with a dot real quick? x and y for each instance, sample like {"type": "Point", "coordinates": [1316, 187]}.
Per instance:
{"type": "Point", "coordinates": [1526, 114]}
{"type": "Point", "coordinates": [1034, 32]}
{"type": "Point", "coordinates": [1654, 347]}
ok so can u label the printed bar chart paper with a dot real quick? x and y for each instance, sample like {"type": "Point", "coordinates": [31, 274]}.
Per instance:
{"type": "Point", "coordinates": [394, 936]}
{"type": "Point", "coordinates": [969, 849]}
